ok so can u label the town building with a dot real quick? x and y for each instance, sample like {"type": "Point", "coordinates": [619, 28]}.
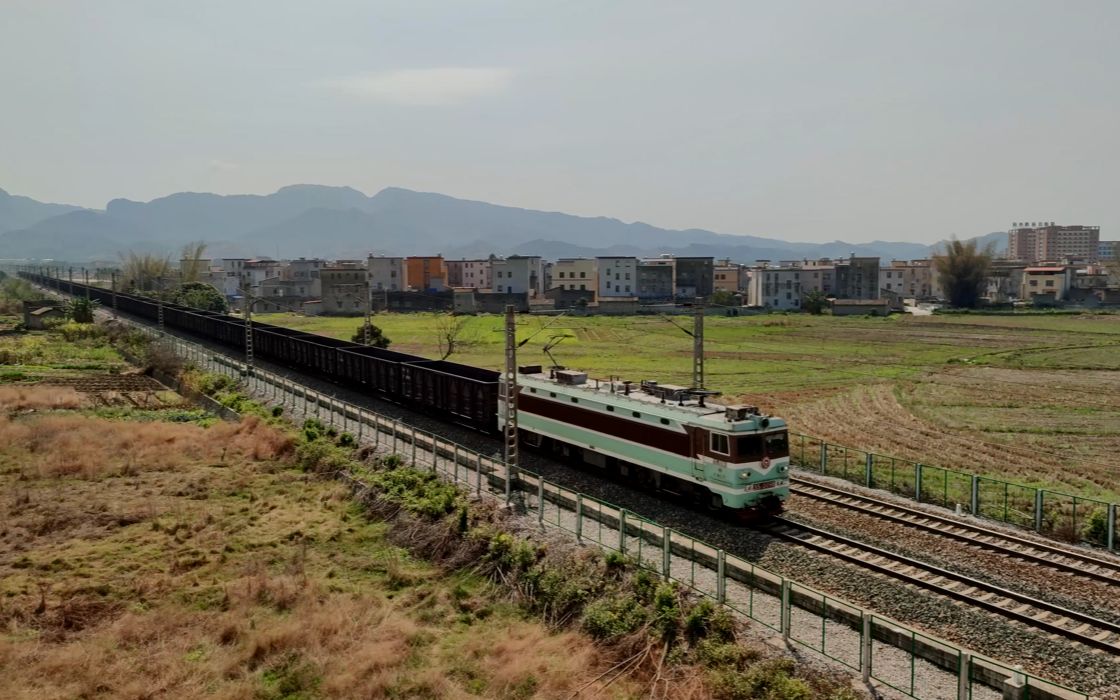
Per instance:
{"type": "Point", "coordinates": [729, 277]}
{"type": "Point", "coordinates": [857, 278]}
{"type": "Point", "coordinates": [345, 288]}
{"type": "Point", "coordinates": [1044, 241]}
{"type": "Point", "coordinates": [306, 271]}
{"type": "Point", "coordinates": [426, 273]}
{"type": "Point", "coordinates": [579, 274]}
{"type": "Point", "coordinates": [695, 277]}
{"type": "Point", "coordinates": [817, 276]}
{"type": "Point", "coordinates": [387, 273]}
{"type": "Point", "coordinates": [860, 307]}
{"type": "Point", "coordinates": [1004, 281]}
{"type": "Point", "coordinates": [1046, 284]}
{"type": "Point", "coordinates": [776, 288]}
{"type": "Point", "coordinates": [618, 277]}
{"type": "Point", "coordinates": [518, 274]}
{"type": "Point", "coordinates": [468, 274]}
{"type": "Point", "coordinates": [1108, 251]}
{"type": "Point", "coordinates": [909, 279]}
{"type": "Point", "coordinates": [657, 279]}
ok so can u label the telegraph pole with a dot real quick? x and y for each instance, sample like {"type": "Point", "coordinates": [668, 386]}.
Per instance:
{"type": "Point", "coordinates": [367, 330]}
{"type": "Point", "coordinates": [85, 274]}
{"type": "Point", "coordinates": [698, 343]}
{"type": "Point", "coordinates": [248, 331]}
{"type": "Point", "coordinates": [509, 387]}
{"type": "Point", "coordinates": [113, 286]}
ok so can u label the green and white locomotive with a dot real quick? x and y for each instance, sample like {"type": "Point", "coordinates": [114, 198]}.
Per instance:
{"type": "Point", "coordinates": [659, 436]}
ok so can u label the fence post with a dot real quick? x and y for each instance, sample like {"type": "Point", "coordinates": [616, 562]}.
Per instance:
{"type": "Point", "coordinates": [865, 648]}
{"type": "Point", "coordinates": [666, 553]}
{"type": "Point", "coordinates": [478, 477]}
{"type": "Point", "coordinates": [1111, 526]}
{"type": "Point", "coordinates": [361, 422]}
{"type": "Point", "coordinates": [721, 577]}
{"type": "Point", "coordinates": [622, 531]}
{"type": "Point", "coordinates": [824, 457]}
{"type": "Point", "coordinates": [964, 676]}
{"type": "Point", "coordinates": [868, 474]}
{"type": "Point", "coordinates": [540, 495]}
{"type": "Point", "coordinates": [918, 482]}
{"type": "Point", "coordinates": [785, 617]}
{"type": "Point", "coordinates": [455, 456]}
{"type": "Point", "coordinates": [579, 514]}
{"type": "Point", "coordinates": [1038, 496]}
{"type": "Point", "coordinates": [412, 434]}
{"type": "Point", "coordinates": [975, 495]}
{"type": "Point", "coordinates": [393, 427]}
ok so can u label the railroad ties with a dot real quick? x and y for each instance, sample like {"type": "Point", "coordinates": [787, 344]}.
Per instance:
{"type": "Point", "coordinates": [1064, 559]}
{"type": "Point", "coordinates": [1054, 619]}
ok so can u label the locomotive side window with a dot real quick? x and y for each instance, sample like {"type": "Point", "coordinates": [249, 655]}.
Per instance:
{"type": "Point", "coordinates": [748, 448]}
{"type": "Point", "coordinates": [719, 443]}
{"type": "Point", "coordinates": [777, 445]}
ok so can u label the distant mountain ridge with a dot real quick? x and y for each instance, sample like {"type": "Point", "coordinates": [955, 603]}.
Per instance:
{"type": "Point", "coordinates": [341, 222]}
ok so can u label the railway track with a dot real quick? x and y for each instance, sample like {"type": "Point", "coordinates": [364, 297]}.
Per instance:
{"type": "Point", "coordinates": [1069, 561]}
{"type": "Point", "coordinates": [1053, 619]}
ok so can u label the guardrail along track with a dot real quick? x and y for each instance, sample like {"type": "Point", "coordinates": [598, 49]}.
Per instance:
{"type": "Point", "coordinates": [1054, 619]}
{"type": "Point", "coordinates": [1067, 560]}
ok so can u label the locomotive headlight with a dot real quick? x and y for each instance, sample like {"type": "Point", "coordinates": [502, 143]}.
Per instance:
{"type": "Point", "coordinates": [745, 475]}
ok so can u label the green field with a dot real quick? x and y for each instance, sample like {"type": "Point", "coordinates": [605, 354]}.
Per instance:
{"type": "Point", "coordinates": [1034, 397]}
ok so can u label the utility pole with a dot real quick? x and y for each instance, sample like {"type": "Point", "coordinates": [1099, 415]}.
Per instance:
{"type": "Point", "coordinates": [85, 274]}
{"type": "Point", "coordinates": [367, 330]}
{"type": "Point", "coordinates": [509, 387]}
{"type": "Point", "coordinates": [113, 286]}
{"type": "Point", "coordinates": [698, 343]}
{"type": "Point", "coordinates": [71, 277]}
{"type": "Point", "coordinates": [248, 330]}
{"type": "Point", "coordinates": [159, 297]}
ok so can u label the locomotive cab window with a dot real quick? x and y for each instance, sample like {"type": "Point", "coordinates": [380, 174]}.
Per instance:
{"type": "Point", "coordinates": [719, 444]}
{"type": "Point", "coordinates": [748, 448]}
{"type": "Point", "coordinates": [777, 445]}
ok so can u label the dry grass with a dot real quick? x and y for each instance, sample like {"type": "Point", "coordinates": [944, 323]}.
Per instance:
{"type": "Point", "coordinates": [16, 399]}
{"type": "Point", "coordinates": [167, 560]}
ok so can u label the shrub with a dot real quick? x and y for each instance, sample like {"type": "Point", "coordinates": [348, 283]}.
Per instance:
{"type": "Point", "coordinates": [609, 619]}
{"type": "Point", "coordinates": [768, 680]}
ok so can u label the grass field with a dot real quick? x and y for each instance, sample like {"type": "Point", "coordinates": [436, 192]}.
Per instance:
{"type": "Point", "coordinates": [1032, 397]}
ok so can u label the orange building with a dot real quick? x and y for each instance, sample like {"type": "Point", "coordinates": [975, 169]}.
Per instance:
{"type": "Point", "coordinates": [426, 272]}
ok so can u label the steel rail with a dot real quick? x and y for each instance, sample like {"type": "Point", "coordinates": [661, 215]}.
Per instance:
{"type": "Point", "coordinates": [1079, 564]}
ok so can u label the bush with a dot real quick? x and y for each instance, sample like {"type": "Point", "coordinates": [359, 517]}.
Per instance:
{"type": "Point", "coordinates": [769, 680]}
{"type": "Point", "coordinates": [610, 619]}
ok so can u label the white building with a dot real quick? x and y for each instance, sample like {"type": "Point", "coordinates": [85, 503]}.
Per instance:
{"type": "Point", "coordinates": [575, 273]}
{"type": "Point", "coordinates": [518, 274]}
{"type": "Point", "coordinates": [777, 288]}
{"type": "Point", "coordinates": [387, 274]}
{"type": "Point", "coordinates": [618, 277]}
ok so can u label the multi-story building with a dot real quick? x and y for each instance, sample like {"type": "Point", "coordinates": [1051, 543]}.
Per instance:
{"type": "Point", "coordinates": [518, 274]}
{"type": "Point", "coordinates": [426, 273]}
{"type": "Point", "coordinates": [1045, 281]}
{"type": "Point", "coordinates": [819, 276]}
{"type": "Point", "coordinates": [857, 278]}
{"type": "Point", "coordinates": [575, 274]}
{"type": "Point", "coordinates": [729, 277]}
{"type": "Point", "coordinates": [657, 279]}
{"type": "Point", "coordinates": [1004, 281]}
{"type": "Point", "coordinates": [777, 288]}
{"type": "Point", "coordinates": [694, 277]}
{"type": "Point", "coordinates": [1041, 241]}
{"type": "Point", "coordinates": [306, 271]}
{"type": "Point", "coordinates": [908, 279]}
{"type": "Point", "coordinates": [618, 277]}
{"type": "Point", "coordinates": [345, 287]}
{"type": "Point", "coordinates": [1108, 251]}
{"type": "Point", "coordinates": [254, 272]}
{"type": "Point", "coordinates": [468, 274]}
{"type": "Point", "coordinates": [387, 273]}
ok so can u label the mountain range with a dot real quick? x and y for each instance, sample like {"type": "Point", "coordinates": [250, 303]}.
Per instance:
{"type": "Point", "coordinates": [341, 222]}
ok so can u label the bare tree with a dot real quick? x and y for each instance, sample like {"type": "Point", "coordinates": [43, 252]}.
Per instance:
{"type": "Point", "coordinates": [190, 261]}
{"type": "Point", "coordinates": [451, 336]}
{"type": "Point", "coordinates": [144, 272]}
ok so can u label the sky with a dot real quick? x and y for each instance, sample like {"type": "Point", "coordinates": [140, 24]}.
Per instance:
{"type": "Point", "coordinates": [803, 120]}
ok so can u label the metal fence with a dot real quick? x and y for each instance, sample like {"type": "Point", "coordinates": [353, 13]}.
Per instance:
{"type": "Point", "coordinates": [887, 654]}
{"type": "Point", "coordinates": [1054, 513]}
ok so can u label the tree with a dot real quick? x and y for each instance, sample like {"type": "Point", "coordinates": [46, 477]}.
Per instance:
{"type": "Point", "coordinates": [814, 302]}
{"type": "Point", "coordinates": [80, 309]}
{"type": "Point", "coordinates": [961, 270]}
{"type": "Point", "coordinates": [145, 272]}
{"type": "Point", "coordinates": [449, 335]}
{"type": "Point", "coordinates": [190, 262]}
{"type": "Point", "coordinates": [377, 337]}
{"type": "Point", "coordinates": [722, 297]}
{"type": "Point", "coordinates": [199, 295]}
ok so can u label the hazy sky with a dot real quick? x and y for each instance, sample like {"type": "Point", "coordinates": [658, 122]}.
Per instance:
{"type": "Point", "coordinates": [901, 120]}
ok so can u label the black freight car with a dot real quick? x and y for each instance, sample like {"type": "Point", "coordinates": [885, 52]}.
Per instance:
{"type": "Point", "coordinates": [375, 369]}
{"type": "Point", "coordinates": [461, 393]}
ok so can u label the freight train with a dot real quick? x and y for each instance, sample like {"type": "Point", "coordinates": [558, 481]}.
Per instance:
{"type": "Point", "coordinates": [655, 436]}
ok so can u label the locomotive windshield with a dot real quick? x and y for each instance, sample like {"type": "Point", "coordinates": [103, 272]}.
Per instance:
{"type": "Point", "coordinates": [777, 445]}
{"type": "Point", "coordinates": [749, 449]}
